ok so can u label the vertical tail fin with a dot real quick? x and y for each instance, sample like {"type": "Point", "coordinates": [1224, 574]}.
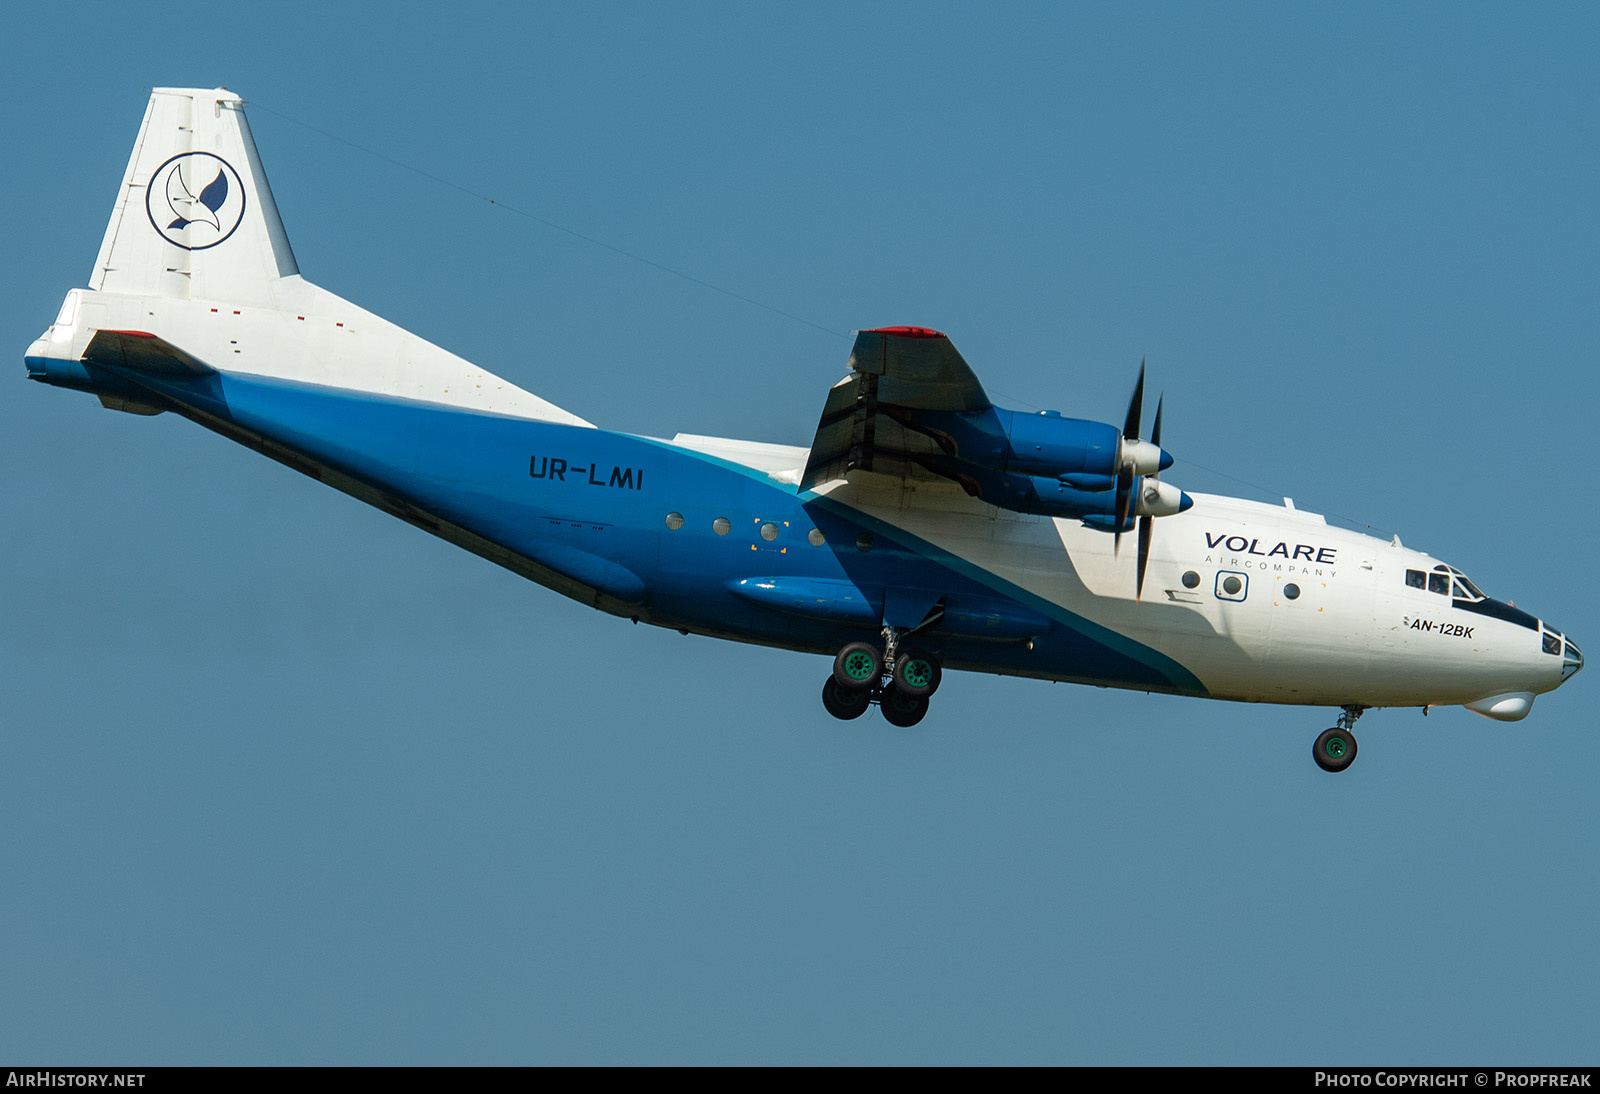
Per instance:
{"type": "Point", "coordinates": [195, 216]}
{"type": "Point", "coordinates": [195, 227]}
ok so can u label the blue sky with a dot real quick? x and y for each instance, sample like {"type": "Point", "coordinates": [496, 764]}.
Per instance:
{"type": "Point", "coordinates": [291, 782]}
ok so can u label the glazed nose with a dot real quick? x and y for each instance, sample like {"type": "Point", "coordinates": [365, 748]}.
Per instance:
{"type": "Point", "coordinates": [1571, 659]}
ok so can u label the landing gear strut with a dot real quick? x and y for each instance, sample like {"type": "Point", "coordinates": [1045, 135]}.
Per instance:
{"type": "Point", "coordinates": [1335, 749]}
{"type": "Point", "coordinates": [899, 681]}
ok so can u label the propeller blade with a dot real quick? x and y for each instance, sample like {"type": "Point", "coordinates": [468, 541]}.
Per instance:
{"type": "Point", "coordinates": [1155, 430]}
{"type": "Point", "coordinates": [1130, 427]}
{"type": "Point", "coordinates": [1124, 497]}
{"type": "Point", "coordinates": [1145, 526]}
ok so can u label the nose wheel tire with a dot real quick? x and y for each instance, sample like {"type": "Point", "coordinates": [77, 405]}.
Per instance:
{"type": "Point", "coordinates": [858, 667]}
{"type": "Point", "coordinates": [900, 709]}
{"type": "Point", "coordinates": [844, 703]}
{"type": "Point", "coordinates": [1335, 749]}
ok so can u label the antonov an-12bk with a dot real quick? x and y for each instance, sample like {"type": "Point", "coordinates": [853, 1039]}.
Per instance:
{"type": "Point", "coordinates": [924, 529]}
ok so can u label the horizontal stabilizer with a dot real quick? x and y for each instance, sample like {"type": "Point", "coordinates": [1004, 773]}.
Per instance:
{"type": "Point", "coordinates": [142, 352]}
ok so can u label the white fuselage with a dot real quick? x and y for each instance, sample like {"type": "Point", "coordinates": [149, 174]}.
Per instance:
{"type": "Point", "coordinates": [1356, 633]}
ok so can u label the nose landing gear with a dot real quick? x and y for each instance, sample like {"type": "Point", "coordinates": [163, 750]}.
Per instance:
{"type": "Point", "coordinates": [899, 681]}
{"type": "Point", "coordinates": [1335, 749]}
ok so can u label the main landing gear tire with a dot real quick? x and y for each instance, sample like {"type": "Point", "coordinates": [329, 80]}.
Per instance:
{"type": "Point", "coordinates": [917, 674]}
{"type": "Point", "coordinates": [1335, 749]}
{"type": "Point", "coordinates": [858, 667]}
{"type": "Point", "coordinates": [844, 703]}
{"type": "Point", "coordinates": [900, 709]}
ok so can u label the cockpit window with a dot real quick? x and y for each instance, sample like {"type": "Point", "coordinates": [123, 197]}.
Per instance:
{"type": "Point", "coordinates": [1445, 580]}
{"type": "Point", "coordinates": [1552, 642]}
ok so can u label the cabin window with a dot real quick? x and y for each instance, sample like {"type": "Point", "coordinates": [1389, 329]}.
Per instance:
{"type": "Point", "coordinates": [816, 538]}
{"type": "Point", "coordinates": [721, 526]}
{"type": "Point", "coordinates": [1291, 591]}
{"type": "Point", "coordinates": [864, 541]}
{"type": "Point", "coordinates": [1191, 580]}
{"type": "Point", "coordinates": [674, 521]}
{"type": "Point", "coordinates": [1232, 586]}
{"type": "Point", "coordinates": [769, 531]}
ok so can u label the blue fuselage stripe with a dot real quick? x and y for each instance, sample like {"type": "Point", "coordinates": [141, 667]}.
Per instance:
{"type": "Point", "coordinates": [592, 505]}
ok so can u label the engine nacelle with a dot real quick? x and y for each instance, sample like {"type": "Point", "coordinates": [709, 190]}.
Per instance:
{"type": "Point", "coordinates": [1048, 444]}
{"type": "Point", "coordinates": [1044, 463]}
{"type": "Point", "coordinates": [1053, 498]}
{"type": "Point", "coordinates": [1083, 455]}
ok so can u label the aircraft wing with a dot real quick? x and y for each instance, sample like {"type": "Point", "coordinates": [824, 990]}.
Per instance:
{"type": "Point", "coordinates": [867, 420]}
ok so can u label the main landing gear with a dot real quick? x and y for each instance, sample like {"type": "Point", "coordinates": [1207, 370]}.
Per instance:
{"type": "Point", "coordinates": [1335, 749]}
{"type": "Point", "coordinates": [899, 681]}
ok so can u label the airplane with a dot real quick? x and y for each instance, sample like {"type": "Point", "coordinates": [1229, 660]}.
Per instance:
{"type": "Point", "coordinates": [924, 529]}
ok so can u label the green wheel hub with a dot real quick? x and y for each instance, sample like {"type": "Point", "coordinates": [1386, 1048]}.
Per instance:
{"type": "Point", "coordinates": [1336, 747]}
{"type": "Point", "coordinates": [859, 666]}
{"type": "Point", "coordinates": [917, 672]}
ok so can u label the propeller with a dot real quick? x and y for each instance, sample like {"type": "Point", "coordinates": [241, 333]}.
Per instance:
{"type": "Point", "coordinates": [1147, 521]}
{"type": "Point", "coordinates": [1146, 458]}
{"type": "Point", "coordinates": [1125, 471]}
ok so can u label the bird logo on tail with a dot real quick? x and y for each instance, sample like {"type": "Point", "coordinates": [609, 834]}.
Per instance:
{"type": "Point", "coordinates": [195, 221]}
